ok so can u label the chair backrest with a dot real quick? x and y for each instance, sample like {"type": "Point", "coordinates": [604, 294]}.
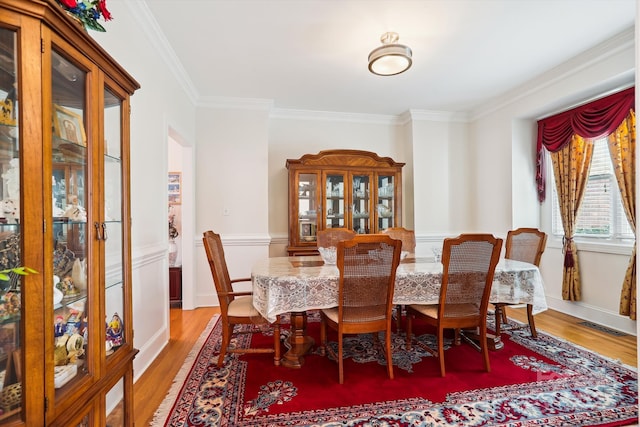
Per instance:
{"type": "Point", "coordinates": [525, 244]}
{"type": "Point", "coordinates": [218, 265]}
{"type": "Point", "coordinates": [367, 265]}
{"type": "Point", "coordinates": [468, 263]}
{"type": "Point", "coordinates": [331, 236]}
{"type": "Point", "coordinates": [408, 237]}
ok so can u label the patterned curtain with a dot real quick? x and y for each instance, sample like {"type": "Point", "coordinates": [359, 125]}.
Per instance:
{"type": "Point", "coordinates": [571, 170]}
{"type": "Point", "coordinates": [622, 147]}
{"type": "Point", "coordinates": [596, 119]}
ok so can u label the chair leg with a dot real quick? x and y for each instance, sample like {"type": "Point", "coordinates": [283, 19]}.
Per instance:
{"type": "Point", "coordinates": [498, 312]}
{"type": "Point", "coordinates": [340, 370]}
{"type": "Point", "coordinates": [441, 350]}
{"type": "Point", "coordinates": [484, 347]}
{"type": "Point", "coordinates": [227, 330]}
{"type": "Point", "coordinates": [323, 335]}
{"type": "Point", "coordinates": [408, 342]}
{"type": "Point", "coordinates": [532, 323]}
{"type": "Point", "coordinates": [504, 314]}
{"type": "Point", "coordinates": [456, 337]}
{"type": "Point", "coordinates": [389, 354]}
{"type": "Point", "coordinates": [398, 318]}
{"type": "Point", "coordinates": [276, 342]}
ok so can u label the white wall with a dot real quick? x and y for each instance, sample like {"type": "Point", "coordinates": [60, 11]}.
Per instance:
{"type": "Point", "coordinates": [505, 134]}
{"type": "Point", "coordinates": [231, 190]}
{"type": "Point", "coordinates": [441, 173]}
{"type": "Point", "coordinates": [161, 101]}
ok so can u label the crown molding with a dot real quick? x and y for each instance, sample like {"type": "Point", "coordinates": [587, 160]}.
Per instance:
{"type": "Point", "coordinates": [234, 103]}
{"type": "Point", "coordinates": [438, 116]}
{"type": "Point", "coordinates": [291, 114]}
{"type": "Point", "coordinates": [578, 63]}
{"type": "Point", "coordinates": [150, 26]}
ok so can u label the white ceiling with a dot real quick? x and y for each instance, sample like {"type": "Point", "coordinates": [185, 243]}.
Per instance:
{"type": "Point", "coordinates": [312, 54]}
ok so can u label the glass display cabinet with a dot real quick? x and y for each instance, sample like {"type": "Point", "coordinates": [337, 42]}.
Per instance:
{"type": "Point", "coordinates": [350, 189]}
{"type": "Point", "coordinates": [66, 333]}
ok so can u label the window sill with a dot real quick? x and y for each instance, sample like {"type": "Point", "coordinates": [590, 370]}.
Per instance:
{"type": "Point", "coordinates": [590, 245]}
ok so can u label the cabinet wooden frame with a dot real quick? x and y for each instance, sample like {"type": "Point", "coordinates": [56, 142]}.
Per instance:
{"type": "Point", "coordinates": [42, 29]}
{"type": "Point", "coordinates": [348, 204]}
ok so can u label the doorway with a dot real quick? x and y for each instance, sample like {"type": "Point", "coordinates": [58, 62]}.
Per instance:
{"type": "Point", "coordinates": [180, 201]}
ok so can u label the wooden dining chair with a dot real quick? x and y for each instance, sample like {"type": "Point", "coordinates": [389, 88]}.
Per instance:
{"type": "Point", "coordinates": [331, 236]}
{"type": "Point", "coordinates": [468, 265]}
{"type": "Point", "coordinates": [408, 238]}
{"type": "Point", "coordinates": [367, 265]}
{"type": "Point", "coordinates": [236, 307]}
{"type": "Point", "coordinates": [523, 244]}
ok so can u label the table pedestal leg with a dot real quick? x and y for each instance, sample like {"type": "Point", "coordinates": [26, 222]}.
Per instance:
{"type": "Point", "coordinates": [299, 340]}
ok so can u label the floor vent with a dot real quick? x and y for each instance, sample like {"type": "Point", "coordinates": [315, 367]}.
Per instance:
{"type": "Point", "coordinates": [603, 329]}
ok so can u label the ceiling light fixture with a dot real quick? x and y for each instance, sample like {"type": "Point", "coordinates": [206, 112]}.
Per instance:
{"type": "Point", "coordinates": [391, 58]}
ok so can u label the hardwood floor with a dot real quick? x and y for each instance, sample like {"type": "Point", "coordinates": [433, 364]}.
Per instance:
{"type": "Point", "coordinates": [186, 326]}
{"type": "Point", "coordinates": [569, 328]}
{"type": "Point", "coordinates": [152, 386]}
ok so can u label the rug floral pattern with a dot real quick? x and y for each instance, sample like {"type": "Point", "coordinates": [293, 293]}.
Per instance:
{"type": "Point", "coordinates": [573, 387]}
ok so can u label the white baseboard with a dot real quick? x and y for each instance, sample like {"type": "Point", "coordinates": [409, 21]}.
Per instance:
{"type": "Point", "coordinates": [149, 352]}
{"type": "Point", "coordinates": [594, 314]}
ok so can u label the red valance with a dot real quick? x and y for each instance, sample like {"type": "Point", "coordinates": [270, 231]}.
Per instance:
{"type": "Point", "coordinates": [596, 119]}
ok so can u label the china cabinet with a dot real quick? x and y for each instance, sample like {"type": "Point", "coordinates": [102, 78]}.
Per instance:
{"type": "Point", "coordinates": [351, 189]}
{"type": "Point", "coordinates": [66, 333]}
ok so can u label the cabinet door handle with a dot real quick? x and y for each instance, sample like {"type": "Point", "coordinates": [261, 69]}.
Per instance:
{"type": "Point", "coordinates": [104, 231]}
{"type": "Point", "coordinates": [97, 226]}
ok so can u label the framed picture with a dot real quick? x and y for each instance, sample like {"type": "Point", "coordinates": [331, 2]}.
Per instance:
{"type": "Point", "coordinates": [175, 190]}
{"type": "Point", "coordinates": [68, 125]}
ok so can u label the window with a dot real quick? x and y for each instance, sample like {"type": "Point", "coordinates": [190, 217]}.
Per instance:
{"type": "Point", "coordinates": [601, 215]}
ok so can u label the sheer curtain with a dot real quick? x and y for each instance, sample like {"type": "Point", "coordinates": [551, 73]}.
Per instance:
{"type": "Point", "coordinates": [567, 136]}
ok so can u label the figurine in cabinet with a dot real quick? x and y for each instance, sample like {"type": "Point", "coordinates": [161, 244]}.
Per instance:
{"type": "Point", "coordinates": [69, 288]}
{"type": "Point", "coordinates": [59, 327]}
{"type": "Point", "coordinates": [114, 330]}
{"type": "Point", "coordinates": [12, 180]}
{"type": "Point", "coordinates": [12, 303]}
{"type": "Point", "coordinates": [7, 117]}
{"type": "Point", "coordinates": [9, 211]}
{"type": "Point", "coordinates": [74, 211]}
{"type": "Point", "coordinates": [73, 323]}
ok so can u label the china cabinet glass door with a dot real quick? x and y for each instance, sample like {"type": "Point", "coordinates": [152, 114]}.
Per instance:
{"type": "Point", "coordinates": [69, 159]}
{"type": "Point", "coordinates": [308, 207]}
{"type": "Point", "coordinates": [110, 230]}
{"type": "Point", "coordinates": [385, 204]}
{"type": "Point", "coordinates": [335, 206]}
{"type": "Point", "coordinates": [361, 204]}
{"type": "Point", "coordinates": [11, 244]}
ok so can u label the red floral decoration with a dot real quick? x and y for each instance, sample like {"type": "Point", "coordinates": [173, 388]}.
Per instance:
{"type": "Point", "coordinates": [87, 12]}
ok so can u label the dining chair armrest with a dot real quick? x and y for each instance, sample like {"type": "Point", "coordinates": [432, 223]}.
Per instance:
{"type": "Point", "coordinates": [234, 293]}
{"type": "Point", "coordinates": [240, 293]}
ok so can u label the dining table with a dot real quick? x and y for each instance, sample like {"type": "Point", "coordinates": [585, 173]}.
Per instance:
{"type": "Point", "coordinates": [298, 284]}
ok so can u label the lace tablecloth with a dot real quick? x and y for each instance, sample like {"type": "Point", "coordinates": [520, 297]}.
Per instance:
{"type": "Point", "coordinates": [288, 284]}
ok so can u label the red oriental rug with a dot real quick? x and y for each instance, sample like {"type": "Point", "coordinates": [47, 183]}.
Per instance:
{"type": "Point", "coordinates": [543, 381]}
